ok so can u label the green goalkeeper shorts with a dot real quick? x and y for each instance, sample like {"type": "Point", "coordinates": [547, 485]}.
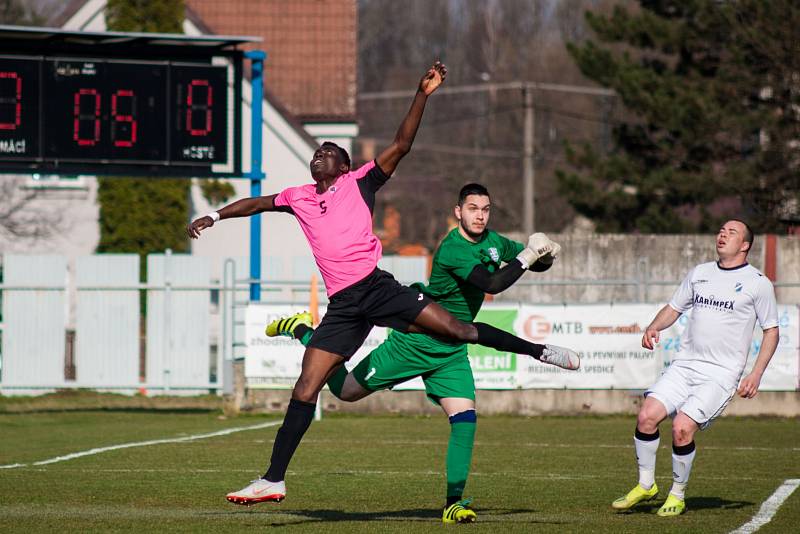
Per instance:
{"type": "Point", "coordinates": [444, 367]}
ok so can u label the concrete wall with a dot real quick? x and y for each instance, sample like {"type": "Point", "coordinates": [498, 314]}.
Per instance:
{"type": "Point", "coordinates": [657, 262]}
{"type": "Point", "coordinates": [517, 402]}
{"type": "Point", "coordinates": [525, 402]}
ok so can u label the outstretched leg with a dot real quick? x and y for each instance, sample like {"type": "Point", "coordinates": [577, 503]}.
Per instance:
{"type": "Point", "coordinates": [341, 383]}
{"type": "Point", "coordinates": [435, 320]}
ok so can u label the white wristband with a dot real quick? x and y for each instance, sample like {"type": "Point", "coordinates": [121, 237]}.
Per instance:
{"type": "Point", "coordinates": [527, 257]}
{"type": "Point", "coordinates": [214, 216]}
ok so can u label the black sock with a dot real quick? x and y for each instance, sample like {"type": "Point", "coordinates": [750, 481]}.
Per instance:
{"type": "Point", "coordinates": [451, 499]}
{"type": "Point", "coordinates": [501, 340]}
{"type": "Point", "coordinates": [641, 436]}
{"type": "Point", "coordinates": [297, 420]}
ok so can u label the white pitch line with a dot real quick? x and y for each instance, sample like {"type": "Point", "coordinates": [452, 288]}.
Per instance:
{"type": "Point", "coordinates": [770, 507]}
{"type": "Point", "coordinates": [98, 450]}
{"type": "Point", "coordinates": [478, 443]}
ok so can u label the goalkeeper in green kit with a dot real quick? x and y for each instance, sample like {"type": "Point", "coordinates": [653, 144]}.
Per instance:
{"type": "Point", "coordinates": [466, 266]}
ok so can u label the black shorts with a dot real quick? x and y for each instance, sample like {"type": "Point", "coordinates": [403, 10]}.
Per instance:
{"type": "Point", "coordinates": [379, 300]}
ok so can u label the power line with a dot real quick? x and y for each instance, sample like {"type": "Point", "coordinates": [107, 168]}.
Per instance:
{"type": "Point", "coordinates": [459, 150]}
{"type": "Point", "coordinates": [487, 87]}
{"type": "Point", "coordinates": [577, 116]}
{"type": "Point", "coordinates": [528, 142]}
{"type": "Point", "coordinates": [421, 146]}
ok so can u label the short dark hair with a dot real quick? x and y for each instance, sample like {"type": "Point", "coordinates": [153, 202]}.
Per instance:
{"type": "Point", "coordinates": [471, 189]}
{"type": "Point", "coordinates": [748, 233]}
{"type": "Point", "coordinates": [342, 152]}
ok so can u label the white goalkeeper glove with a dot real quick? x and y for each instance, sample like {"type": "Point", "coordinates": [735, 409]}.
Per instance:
{"type": "Point", "coordinates": [550, 257]}
{"type": "Point", "coordinates": [538, 245]}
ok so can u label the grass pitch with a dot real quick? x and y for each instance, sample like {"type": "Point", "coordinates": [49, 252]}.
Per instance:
{"type": "Point", "coordinates": [377, 474]}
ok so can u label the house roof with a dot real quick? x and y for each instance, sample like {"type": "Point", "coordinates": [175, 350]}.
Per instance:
{"type": "Point", "coordinates": [310, 46]}
{"type": "Point", "coordinates": [63, 16]}
{"type": "Point", "coordinates": [56, 37]}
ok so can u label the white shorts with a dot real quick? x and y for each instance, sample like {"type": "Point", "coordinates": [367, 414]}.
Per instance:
{"type": "Point", "coordinates": [681, 389]}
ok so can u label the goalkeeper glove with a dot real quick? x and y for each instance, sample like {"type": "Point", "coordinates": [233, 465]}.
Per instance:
{"type": "Point", "coordinates": [551, 256]}
{"type": "Point", "coordinates": [538, 245]}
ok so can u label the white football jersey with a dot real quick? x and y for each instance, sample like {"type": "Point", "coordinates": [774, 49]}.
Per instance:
{"type": "Point", "coordinates": [725, 304]}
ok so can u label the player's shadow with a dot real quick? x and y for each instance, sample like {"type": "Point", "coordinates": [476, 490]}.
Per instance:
{"type": "Point", "coordinates": [425, 515]}
{"type": "Point", "coordinates": [692, 503]}
{"type": "Point", "coordinates": [702, 503]}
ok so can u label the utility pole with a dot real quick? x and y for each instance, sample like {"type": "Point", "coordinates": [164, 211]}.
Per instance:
{"type": "Point", "coordinates": [528, 170]}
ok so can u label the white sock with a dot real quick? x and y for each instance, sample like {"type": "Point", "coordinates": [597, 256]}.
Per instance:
{"type": "Point", "coordinates": [681, 468]}
{"type": "Point", "coordinates": [646, 458]}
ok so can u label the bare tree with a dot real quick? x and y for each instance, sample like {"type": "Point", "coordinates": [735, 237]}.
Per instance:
{"type": "Point", "coordinates": [20, 217]}
{"type": "Point", "coordinates": [21, 12]}
{"type": "Point", "coordinates": [476, 134]}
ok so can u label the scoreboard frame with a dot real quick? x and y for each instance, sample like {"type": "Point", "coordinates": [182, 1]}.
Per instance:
{"type": "Point", "coordinates": [119, 103]}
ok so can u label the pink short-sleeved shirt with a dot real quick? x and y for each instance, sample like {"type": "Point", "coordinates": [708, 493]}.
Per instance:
{"type": "Point", "coordinates": [338, 224]}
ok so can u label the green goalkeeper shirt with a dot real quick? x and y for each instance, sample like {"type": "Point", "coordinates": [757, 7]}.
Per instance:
{"type": "Point", "coordinates": [453, 262]}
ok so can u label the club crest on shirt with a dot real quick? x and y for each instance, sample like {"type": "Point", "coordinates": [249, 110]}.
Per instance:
{"type": "Point", "coordinates": [738, 287]}
{"type": "Point", "coordinates": [494, 254]}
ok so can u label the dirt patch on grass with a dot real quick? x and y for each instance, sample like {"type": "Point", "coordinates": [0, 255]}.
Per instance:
{"type": "Point", "coordinates": [70, 400]}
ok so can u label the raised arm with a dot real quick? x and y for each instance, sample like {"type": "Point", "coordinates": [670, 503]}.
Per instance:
{"type": "Point", "coordinates": [241, 208]}
{"type": "Point", "coordinates": [543, 254]}
{"type": "Point", "coordinates": [404, 138]}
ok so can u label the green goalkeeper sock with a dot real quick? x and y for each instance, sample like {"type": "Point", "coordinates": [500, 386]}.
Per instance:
{"type": "Point", "coordinates": [336, 381]}
{"type": "Point", "coordinates": [459, 453]}
{"type": "Point", "coordinates": [303, 333]}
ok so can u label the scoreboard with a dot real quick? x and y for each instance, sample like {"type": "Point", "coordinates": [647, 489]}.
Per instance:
{"type": "Point", "coordinates": [110, 115]}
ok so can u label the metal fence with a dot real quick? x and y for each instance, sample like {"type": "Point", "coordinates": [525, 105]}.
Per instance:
{"type": "Point", "coordinates": [97, 326]}
{"type": "Point", "coordinates": [101, 347]}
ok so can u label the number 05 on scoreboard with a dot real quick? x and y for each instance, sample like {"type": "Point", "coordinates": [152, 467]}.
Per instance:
{"type": "Point", "coordinates": [111, 116]}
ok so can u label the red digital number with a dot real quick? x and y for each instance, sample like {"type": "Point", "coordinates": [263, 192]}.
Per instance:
{"type": "Point", "coordinates": [121, 120]}
{"type": "Point", "coordinates": [93, 115]}
{"type": "Point", "coordinates": [16, 101]}
{"type": "Point", "coordinates": [195, 104]}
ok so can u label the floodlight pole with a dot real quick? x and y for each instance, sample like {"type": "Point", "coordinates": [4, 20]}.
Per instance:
{"type": "Point", "coordinates": [256, 175]}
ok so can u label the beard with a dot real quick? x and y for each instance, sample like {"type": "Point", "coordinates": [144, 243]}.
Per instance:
{"type": "Point", "coordinates": [472, 234]}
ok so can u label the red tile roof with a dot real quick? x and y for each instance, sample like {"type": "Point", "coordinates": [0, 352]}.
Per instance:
{"type": "Point", "coordinates": [310, 45]}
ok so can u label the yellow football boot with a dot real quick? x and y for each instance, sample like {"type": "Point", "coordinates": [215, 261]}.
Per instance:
{"type": "Point", "coordinates": [284, 326]}
{"type": "Point", "coordinates": [635, 496]}
{"type": "Point", "coordinates": [672, 506]}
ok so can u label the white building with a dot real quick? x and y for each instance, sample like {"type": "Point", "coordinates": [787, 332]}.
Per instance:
{"type": "Point", "coordinates": [288, 145]}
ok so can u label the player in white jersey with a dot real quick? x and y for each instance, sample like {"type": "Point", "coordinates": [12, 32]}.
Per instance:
{"type": "Point", "coordinates": [726, 298]}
